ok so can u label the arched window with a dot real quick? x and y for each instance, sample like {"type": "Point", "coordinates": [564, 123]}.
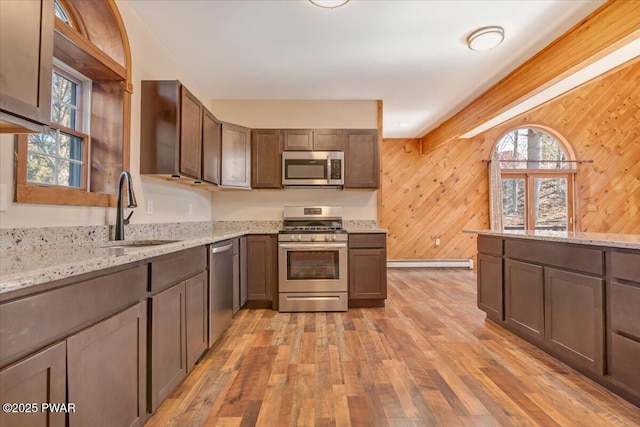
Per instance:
{"type": "Point", "coordinates": [79, 160]}
{"type": "Point", "coordinates": [536, 171]}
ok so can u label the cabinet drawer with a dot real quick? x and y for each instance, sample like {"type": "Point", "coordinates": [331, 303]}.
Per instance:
{"type": "Point", "coordinates": [625, 266]}
{"type": "Point", "coordinates": [29, 323]}
{"type": "Point", "coordinates": [173, 268]}
{"type": "Point", "coordinates": [572, 257]}
{"type": "Point", "coordinates": [625, 308]}
{"type": "Point", "coordinates": [625, 369]}
{"type": "Point", "coordinates": [373, 240]}
{"type": "Point", "coordinates": [489, 245]}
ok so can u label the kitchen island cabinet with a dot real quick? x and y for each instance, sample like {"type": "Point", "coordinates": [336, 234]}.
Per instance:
{"type": "Point", "coordinates": [574, 295]}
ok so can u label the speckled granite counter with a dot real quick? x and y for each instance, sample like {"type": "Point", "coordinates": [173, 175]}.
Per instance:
{"type": "Point", "coordinates": [363, 226]}
{"type": "Point", "coordinates": [47, 259]}
{"type": "Point", "coordinates": [611, 240]}
{"type": "Point", "coordinates": [33, 256]}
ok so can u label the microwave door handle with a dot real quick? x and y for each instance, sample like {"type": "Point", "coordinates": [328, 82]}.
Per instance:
{"type": "Point", "coordinates": [328, 170]}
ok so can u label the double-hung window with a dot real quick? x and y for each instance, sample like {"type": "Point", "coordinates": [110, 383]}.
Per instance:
{"type": "Point", "coordinates": [60, 156]}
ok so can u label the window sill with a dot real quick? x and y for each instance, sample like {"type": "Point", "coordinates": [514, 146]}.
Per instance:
{"type": "Point", "coordinates": [30, 193]}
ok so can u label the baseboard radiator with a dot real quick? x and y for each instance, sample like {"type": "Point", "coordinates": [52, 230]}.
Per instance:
{"type": "Point", "coordinates": [430, 263]}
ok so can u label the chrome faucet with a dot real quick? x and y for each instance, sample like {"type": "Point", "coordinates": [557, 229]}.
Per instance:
{"type": "Point", "coordinates": [131, 203]}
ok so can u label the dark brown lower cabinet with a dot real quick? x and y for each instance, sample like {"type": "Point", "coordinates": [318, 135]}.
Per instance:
{"type": "Point", "coordinates": [38, 378]}
{"type": "Point", "coordinates": [107, 371]}
{"type": "Point", "coordinates": [524, 298]}
{"type": "Point", "coordinates": [490, 286]}
{"type": "Point", "coordinates": [625, 363]}
{"type": "Point", "coordinates": [574, 317]}
{"type": "Point", "coordinates": [367, 270]}
{"type": "Point", "coordinates": [196, 309]}
{"type": "Point", "coordinates": [262, 270]}
{"type": "Point", "coordinates": [167, 364]}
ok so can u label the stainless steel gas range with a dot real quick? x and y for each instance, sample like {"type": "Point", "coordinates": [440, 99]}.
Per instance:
{"type": "Point", "coordinates": [312, 260]}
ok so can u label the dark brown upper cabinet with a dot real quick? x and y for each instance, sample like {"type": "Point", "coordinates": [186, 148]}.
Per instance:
{"type": "Point", "coordinates": [211, 134]}
{"type": "Point", "coordinates": [298, 139]}
{"type": "Point", "coordinates": [170, 130]}
{"type": "Point", "coordinates": [190, 134]}
{"type": "Point", "coordinates": [26, 43]}
{"type": "Point", "coordinates": [266, 158]}
{"type": "Point", "coordinates": [362, 159]}
{"type": "Point", "coordinates": [313, 139]}
{"type": "Point", "coordinates": [236, 156]}
{"type": "Point", "coordinates": [328, 139]}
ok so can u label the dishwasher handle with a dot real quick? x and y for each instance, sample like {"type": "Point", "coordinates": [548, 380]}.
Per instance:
{"type": "Point", "coordinates": [218, 249]}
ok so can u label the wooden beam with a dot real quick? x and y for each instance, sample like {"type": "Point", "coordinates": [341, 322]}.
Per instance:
{"type": "Point", "coordinates": [610, 27]}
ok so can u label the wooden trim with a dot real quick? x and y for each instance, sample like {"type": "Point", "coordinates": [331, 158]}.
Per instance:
{"type": "Point", "coordinates": [613, 25]}
{"type": "Point", "coordinates": [125, 41]}
{"type": "Point", "coordinates": [50, 195]}
{"type": "Point", "coordinates": [76, 19]}
{"type": "Point", "coordinates": [380, 140]}
{"type": "Point", "coordinates": [26, 192]}
{"type": "Point", "coordinates": [84, 55]}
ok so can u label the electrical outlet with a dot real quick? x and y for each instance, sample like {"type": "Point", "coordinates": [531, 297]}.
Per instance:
{"type": "Point", "coordinates": [190, 208]}
{"type": "Point", "coordinates": [592, 207]}
{"type": "Point", "coordinates": [3, 197]}
{"type": "Point", "coordinates": [149, 207]}
{"type": "Point", "coordinates": [437, 242]}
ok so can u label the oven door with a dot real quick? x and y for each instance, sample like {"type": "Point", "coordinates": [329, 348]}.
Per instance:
{"type": "Point", "coordinates": [312, 267]}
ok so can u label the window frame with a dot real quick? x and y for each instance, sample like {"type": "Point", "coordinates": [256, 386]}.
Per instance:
{"type": "Point", "coordinates": [529, 176]}
{"type": "Point", "coordinates": [100, 21]}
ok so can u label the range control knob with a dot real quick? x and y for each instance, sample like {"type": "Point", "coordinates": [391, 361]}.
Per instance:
{"type": "Point", "coordinates": [299, 237]}
{"type": "Point", "coordinates": [327, 238]}
{"type": "Point", "coordinates": [334, 238]}
{"type": "Point", "coordinates": [313, 238]}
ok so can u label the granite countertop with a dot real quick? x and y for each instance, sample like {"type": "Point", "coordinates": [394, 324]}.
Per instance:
{"type": "Point", "coordinates": [613, 240]}
{"type": "Point", "coordinates": [23, 268]}
{"type": "Point", "coordinates": [53, 254]}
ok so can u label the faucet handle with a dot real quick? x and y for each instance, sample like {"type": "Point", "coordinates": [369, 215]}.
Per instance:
{"type": "Point", "coordinates": [126, 220]}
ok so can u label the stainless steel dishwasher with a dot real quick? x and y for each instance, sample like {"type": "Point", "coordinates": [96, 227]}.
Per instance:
{"type": "Point", "coordinates": [220, 289]}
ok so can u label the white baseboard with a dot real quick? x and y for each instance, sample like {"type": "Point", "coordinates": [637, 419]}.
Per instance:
{"type": "Point", "coordinates": [430, 263]}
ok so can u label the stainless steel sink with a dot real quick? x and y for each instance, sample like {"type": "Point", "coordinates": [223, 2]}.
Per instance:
{"type": "Point", "coordinates": [137, 243]}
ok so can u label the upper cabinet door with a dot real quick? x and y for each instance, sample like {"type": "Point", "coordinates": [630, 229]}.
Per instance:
{"type": "Point", "coordinates": [211, 135]}
{"type": "Point", "coordinates": [266, 158]}
{"type": "Point", "coordinates": [190, 134]}
{"type": "Point", "coordinates": [298, 139]}
{"type": "Point", "coordinates": [26, 60]}
{"type": "Point", "coordinates": [236, 156]}
{"type": "Point", "coordinates": [328, 140]}
{"type": "Point", "coordinates": [362, 159]}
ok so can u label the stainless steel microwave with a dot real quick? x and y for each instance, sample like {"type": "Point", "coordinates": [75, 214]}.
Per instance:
{"type": "Point", "coordinates": [313, 168]}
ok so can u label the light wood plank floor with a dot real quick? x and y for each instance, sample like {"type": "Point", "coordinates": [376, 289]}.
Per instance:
{"type": "Point", "coordinates": [428, 358]}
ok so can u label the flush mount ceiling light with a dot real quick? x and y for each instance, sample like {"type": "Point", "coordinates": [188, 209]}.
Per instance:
{"type": "Point", "coordinates": [403, 124]}
{"type": "Point", "coordinates": [329, 4]}
{"type": "Point", "coordinates": [485, 38]}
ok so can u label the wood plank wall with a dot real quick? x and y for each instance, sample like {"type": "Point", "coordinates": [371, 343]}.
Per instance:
{"type": "Point", "coordinates": [437, 194]}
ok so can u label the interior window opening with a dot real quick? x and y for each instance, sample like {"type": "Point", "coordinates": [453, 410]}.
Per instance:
{"type": "Point", "coordinates": [536, 181]}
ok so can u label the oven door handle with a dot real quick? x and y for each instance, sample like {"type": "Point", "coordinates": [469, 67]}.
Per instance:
{"type": "Point", "coordinates": [312, 247]}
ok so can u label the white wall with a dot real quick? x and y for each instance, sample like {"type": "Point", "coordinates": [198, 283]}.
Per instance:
{"type": "Point", "coordinates": [294, 114]}
{"type": "Point", "coordinates": [150, 60]}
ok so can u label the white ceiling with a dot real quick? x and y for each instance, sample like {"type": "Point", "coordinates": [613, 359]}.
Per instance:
{"type": "Point", "coordinates": [409, 53]}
